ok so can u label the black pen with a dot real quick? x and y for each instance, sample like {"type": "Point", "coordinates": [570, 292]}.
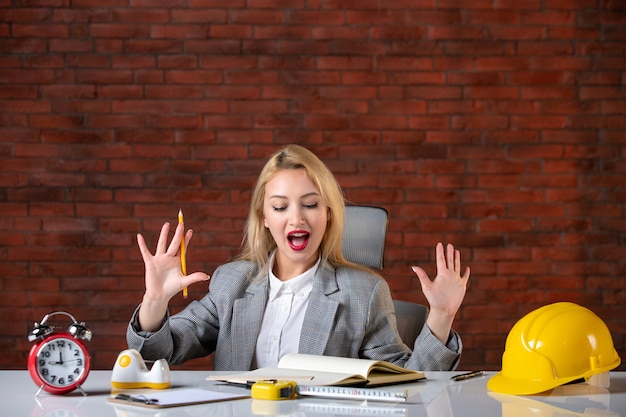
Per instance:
{"type": "Point", "coordinates": [463, 377]}
{"type": "Point", "coordinates": [137, 399]}
{"type": "Point", "coordinates": [247, 384]}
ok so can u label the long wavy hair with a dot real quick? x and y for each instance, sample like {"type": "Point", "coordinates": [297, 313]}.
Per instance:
{"type": "Point", "coordinates": [258, 243]}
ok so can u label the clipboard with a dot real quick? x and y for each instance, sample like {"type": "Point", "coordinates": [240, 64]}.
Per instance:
{"type": "Point", "coordinates": [174, 398]}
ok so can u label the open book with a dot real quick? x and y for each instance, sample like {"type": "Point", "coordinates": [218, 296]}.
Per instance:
{"type": "Point", "coordinates": [327, 370]}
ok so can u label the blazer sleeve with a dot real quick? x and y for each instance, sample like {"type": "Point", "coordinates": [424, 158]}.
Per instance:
{"type": "Point", "coordinates": [184, 336]}
{"type": "Point", "coordinates": [193, 332]}
{"type": "Point", "coordinates": [428, 353]}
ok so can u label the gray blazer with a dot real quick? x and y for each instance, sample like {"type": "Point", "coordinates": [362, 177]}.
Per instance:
{"type": "Point", "coordinates": [350, 314]}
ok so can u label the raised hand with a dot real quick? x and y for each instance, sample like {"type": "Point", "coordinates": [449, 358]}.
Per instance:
{"type": "Point", "coordinates": [164, 277]}
{"type": "Point", "coordinates": [446, 291]}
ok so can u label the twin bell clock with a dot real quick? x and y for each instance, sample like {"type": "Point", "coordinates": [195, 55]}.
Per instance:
{"type": "Point", "coordinates": [59, 361]}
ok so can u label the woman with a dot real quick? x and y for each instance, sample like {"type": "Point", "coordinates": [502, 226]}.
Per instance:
{"type": "Point", "coordinates": [291, 290]}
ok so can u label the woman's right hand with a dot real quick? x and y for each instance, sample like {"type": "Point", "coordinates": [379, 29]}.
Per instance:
{"type": "Point", "coordinates": [164, 277]}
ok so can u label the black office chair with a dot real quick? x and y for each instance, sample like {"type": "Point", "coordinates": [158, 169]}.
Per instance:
{"type": "Point", "coordinates": [364, 235]}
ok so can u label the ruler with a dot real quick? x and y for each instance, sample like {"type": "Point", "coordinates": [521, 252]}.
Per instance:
{"type": "Point", "coordinates": [351, 393]}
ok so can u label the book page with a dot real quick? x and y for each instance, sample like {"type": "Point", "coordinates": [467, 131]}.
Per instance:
{"type": "Point", "coordinates": [300, 376]}
{"type": "Point", "coordinates": [352, 366]}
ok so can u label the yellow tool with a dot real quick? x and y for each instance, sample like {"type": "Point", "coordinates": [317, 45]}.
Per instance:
{"type": "Point", "coordinates": [273, 389]}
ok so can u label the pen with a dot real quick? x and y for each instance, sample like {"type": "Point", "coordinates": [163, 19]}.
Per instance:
{"type": "Point", "coordinates": [183, 260]}
{"type": "Point", "coordinates": [247, 384]}
{"type": "Point", "coordinates": [137, 399]}
{"type": "Point", "coordinates": [463, 377]}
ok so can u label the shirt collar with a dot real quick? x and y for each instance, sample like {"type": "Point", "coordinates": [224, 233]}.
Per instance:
{"type": "Point", "coordinates": [303, 281]}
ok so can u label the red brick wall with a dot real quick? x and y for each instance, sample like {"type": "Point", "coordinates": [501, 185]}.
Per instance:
{"type": "Point", "coordinates": [498, 126]}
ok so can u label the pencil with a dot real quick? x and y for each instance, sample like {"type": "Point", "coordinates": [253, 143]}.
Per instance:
{"type": "Point", "coordinates": [183, 260]}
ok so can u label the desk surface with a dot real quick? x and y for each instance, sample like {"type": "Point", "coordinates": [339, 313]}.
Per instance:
{"type": "Point", "coordinates": [435, 397]}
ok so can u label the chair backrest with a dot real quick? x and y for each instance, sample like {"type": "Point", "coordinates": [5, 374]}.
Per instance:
{"type": "Point", "coordinates": [364, 235]}
{"type": "Point", "coordinates": [410, 318]}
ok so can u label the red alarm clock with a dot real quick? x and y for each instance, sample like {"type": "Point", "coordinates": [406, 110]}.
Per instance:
{"type": "Point", "coordinates": [59, 362]}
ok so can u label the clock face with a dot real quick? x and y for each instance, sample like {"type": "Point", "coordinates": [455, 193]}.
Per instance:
{"type": "Point", "coordinates": [60, 363]}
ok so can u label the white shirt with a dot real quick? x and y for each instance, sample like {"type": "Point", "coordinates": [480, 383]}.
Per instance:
{"type": "Point", "coordinates": [283, 317]}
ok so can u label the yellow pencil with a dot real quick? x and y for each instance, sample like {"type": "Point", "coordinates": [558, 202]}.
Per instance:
{"type": "Point", "coordinates": [183, 260]}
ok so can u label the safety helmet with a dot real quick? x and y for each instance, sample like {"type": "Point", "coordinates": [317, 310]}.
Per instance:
{"type": "Point", "coordinates": [551, 346]}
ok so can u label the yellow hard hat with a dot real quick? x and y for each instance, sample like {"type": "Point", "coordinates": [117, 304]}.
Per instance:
{"type": "Point", "coordinates": [551, 346]}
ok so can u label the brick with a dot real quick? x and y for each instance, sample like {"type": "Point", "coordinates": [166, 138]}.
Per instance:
{"type": "Point", "coordinates": [228, 122]}
{"type": "Point", "coordinates": [149, 45]}
{"type": "Point", "coordinates": [517, 33]}
{"type": "Point", "coordinates": [177, 61]}
{"type": "Point", "coordinates": [197, 15]}
{"type": "Point", "coordinates": [141, 106]}
{"type": "Point", "coordinates": [193, 77]}
{"type": "Point", "coordinates": [271, 16]}
{"type": "Point", "coordinates": [339, 63]}
{"type": "Point", "coordinates": [71, 136]}
{"type": "Point", "coordinates": [573, 33]}
{"type": "Point", "coordinates": [188, 31]}
{"type": "Point", "coordinates": [434, 93]}
{"type": "Point", "coordinates": [140, 15]}
{"type": "Point", "coordinates": [24, 45]}
{"type": "Point", "coordinates": [25, 14]}
{"type": "Point", "coordinates": [180, 122]}
{"type": "Point", "coordinates": [119, 30]}
{"type": "Point", "coordinates": [25, 106]}
{"type": "Point", "coordinates": [39, 31]}
{"type": "Point", "coordinates": [133, 62]}
{"type": "Point", "coordinates": [54, 61]}
{"type": "Point", "coordinates": [18, 91]}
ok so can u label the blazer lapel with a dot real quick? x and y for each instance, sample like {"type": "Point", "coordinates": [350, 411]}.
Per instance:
{"type": "Point", "coordinates": [247, 319]}
{"type": "Point", "coordinates": [320, 314]}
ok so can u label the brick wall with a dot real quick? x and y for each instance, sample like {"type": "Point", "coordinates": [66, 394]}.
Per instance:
{"type": "Point", "coordinates": [498, 126]}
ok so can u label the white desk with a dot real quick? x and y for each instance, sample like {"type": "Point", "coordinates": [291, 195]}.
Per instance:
{"type": "Point", "coordinates": [435, 397]}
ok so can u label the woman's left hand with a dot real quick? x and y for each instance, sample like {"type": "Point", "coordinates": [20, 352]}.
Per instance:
{"type": "Point", "coordinates": [445, 293]}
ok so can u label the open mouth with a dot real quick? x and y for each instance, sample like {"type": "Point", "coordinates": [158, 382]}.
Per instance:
{"type": "Point", "coordinates": [298, 239]}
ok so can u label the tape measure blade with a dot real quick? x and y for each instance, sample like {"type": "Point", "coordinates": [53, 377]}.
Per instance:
{"type": "Point", "coordinates": [351, 393]}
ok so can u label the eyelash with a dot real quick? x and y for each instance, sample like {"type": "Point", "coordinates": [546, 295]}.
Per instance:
{"type": "Point", "coordinates": [306, 206]}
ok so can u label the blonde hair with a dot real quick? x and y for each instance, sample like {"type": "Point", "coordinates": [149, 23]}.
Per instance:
{"type": "Point", "coordinates": [258, 243]}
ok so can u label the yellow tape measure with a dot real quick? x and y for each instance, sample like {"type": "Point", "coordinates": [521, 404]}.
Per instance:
{"type": "Point", "coordinates": [273, 389]}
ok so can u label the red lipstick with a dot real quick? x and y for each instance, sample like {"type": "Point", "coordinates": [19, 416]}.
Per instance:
{"type": "Point", "coordinates": [298, 239]}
